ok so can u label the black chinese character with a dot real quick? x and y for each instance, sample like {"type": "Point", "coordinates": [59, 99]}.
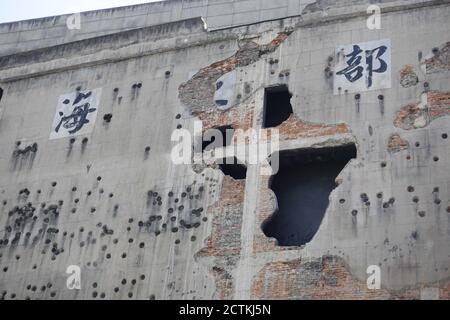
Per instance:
{"type": "Point", "coordinates": [354, 71]}
{"type": "Point", "coordinates": [78, 118]}
{"type": "Point", "coordinates": [369, 61]}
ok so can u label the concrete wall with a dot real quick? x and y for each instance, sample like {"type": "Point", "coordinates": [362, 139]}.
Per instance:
{"type": "Point", "coordinates": [94, 201]}
{"type": "Point", "coordinates": [45, 32]}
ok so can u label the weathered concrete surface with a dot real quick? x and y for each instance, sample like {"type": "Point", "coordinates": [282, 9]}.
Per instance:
{"type": "Point", "coordinates": [141, 227]}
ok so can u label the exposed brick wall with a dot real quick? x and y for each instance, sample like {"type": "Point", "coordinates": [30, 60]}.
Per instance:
{"type": "Point", "coordinates": [224, 243]}
{"type": "Point", "coordinates": [198, 92]}
{"type": "Point", "coordinates": [396, 143]}
{"type": "Point", "coordinates": [408, 77]}
{"type": "Point", "coordinates": [440, 61]}
{"type": "Point", "coordinates": [294, 128]}
{"type": "Point", "coordinates": [325, 278]}
{"type": "Point", "coordinates": [414, 116]}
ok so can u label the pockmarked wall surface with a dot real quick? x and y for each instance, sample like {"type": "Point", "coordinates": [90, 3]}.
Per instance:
{"type": "Point", "coordinates": [92, 205]}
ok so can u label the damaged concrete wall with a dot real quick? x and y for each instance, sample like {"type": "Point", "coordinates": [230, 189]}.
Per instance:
{"type": "Point", "coordinates": [140, 227]}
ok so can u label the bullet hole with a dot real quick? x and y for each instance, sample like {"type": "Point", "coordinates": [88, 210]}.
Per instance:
{"type": "Point", "coordinates": [380, 195]}
{"type": "Point", "coordinates": [72, 140]}
{"type": "Point", "coordinates": [53, 184]}
{"type": "Point", "coordinates": [89, 193]}
{"type": "Point", "coordinates": [178, 116]}
{"type": "Point", "coordinates": [94, 294]}
{"type": "Point", "coordinates": [448, 209]}
{"type": "Point", "coordinates": [415, 235]}
{"type": "Point", "coordinates": [174, 229]}
{"type": "Point", "coordinates": [93, 209]}
{"type": "Point", "coordinates": [81, 229]}
{"type": "Point", "coordinates": [410, 189]}
{"type": "Point", "coordinates": [124, 255]}
{"type": "Point", "coordinates": [82, 243]}
{"type": "Point", "coordinates": [101, 191]}
{"type": "Point", "coordinates": [130, 240]}
{"type": "Point", "coordinates": [417, 144]}
{"type": "Point", "coordinates": [141, 245]}
{"type": "Point", "coordinates": [380, 97]}
{"type": "Point", "coordinates": [193, 238]}
{"type": "Point", "coordinates": [277, 106]}
{"type": "Point", "coordinates": [232, 167]}
{"type": "Point", "coordinates": [130, 295]}
{"type": "Point", "coordinates": [421, 214]}
{"type": "Point", "coordinates": [94, 285]}
{"type": "Point", "coordinates": [302, 186]}
{"type": "Point", "coordinates": [142, 277]}
{"type": "Point", "coordinates": [341, 201]}
{"type": "Point", "coordinates": [205, 219]}
{"type": "Point", "coordinates": [107, 117]}
{"type": "Point", "coordinates": [408, 157]}
{"type": "Point", "coordinates": [133, 282]}
{"type": "Point", "coordinates": [167, 73]}
{"type": "Point", "coordinates": [383, 164]}
{"type": "Point", "coordinates": [415, 199]}
{"type": "Point", "coordinates": [116, 90]}
{"type": "Point", "coordinates": [179, 126]}
{"type": "Point", "coordinates": [444, 136]}
{"type": "Point", "coordinates": [364, 197]}
{"type": "Point", "coordinates": [435, 159]}
{"type": "Point", "coordinates": [99, 178]}
{"type": "Point", "coordinates": [357, 96]}
{"type": "Point", "coordinates": [1, 94]}
{"type": "Point", "coordinates": [437, 201]}
{"type": "Point", "coordinates": [435, 50]}
{"type": "Point", "coordinates": [177, 241]}
{"type": "Point", "coordinates": [391, 201]}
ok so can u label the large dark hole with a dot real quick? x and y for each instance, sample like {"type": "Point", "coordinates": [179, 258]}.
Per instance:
{"type": "Point", "coordinates": [211, 139]}
{"type": "Point", "coordinates": [232, 167]}
{"type": "Point", "coordinates": [302, 185]}
{"type": "Point", "coordinates": [277, 106]}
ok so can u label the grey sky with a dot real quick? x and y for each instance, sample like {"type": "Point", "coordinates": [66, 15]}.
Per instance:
{"type": "Point", "coordinates": [15, 10]}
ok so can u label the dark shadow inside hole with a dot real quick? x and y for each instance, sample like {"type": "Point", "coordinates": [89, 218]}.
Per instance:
{"type": "Point", "coordinates": [277, 106]}
{"type": "Point", "coordinates": [210, 143]}
{"type": "Point", "coordinates": [1, 94]}
{"type": "Point", "coordinates": [232, 167]}
{"type": "Point", "coordinates": [302, 186]}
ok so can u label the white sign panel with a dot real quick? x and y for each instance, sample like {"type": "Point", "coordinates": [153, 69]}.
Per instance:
{"type": "Point", "coordinates": [76, 113]}
{"type": "Point", "coordinates": [224, 97]}
{"type": "Point", "coordinates": [363, 66]}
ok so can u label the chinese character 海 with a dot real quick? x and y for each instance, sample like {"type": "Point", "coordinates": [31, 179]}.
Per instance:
{"type": "Point", "coordinates": [78, 118]}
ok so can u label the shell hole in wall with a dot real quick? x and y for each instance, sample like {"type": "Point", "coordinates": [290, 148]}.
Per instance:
{"type": "Point", "coordinates": [277, 106]}
{"type": "Point", "coordinates": [232, 167]}
{"type": "Point", "coordinates": [302, 186]}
